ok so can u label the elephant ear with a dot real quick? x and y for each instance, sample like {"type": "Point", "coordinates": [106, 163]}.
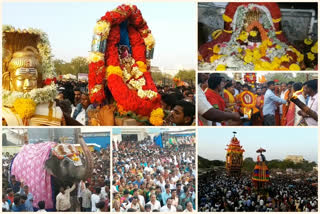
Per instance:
{"type": "Point", "coordinates": [51, 166]}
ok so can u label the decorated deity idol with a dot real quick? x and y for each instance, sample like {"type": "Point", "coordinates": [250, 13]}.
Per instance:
{"type": "Point", "coordinates": [252, 39]}
{"type": "Point", "coordinates": [246, 99]}
{"type": "Point", "coordinates": [260, 175]}
{"type": "Point", "coordinates": [122, 47]}
{"type": "Point", "coordinates": [26, 67]}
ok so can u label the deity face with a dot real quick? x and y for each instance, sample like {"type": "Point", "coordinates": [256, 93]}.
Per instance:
{"type": "Point", "coordinates": [24, 79]}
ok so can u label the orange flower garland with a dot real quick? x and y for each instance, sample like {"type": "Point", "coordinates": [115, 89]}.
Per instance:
{"type": "Point", "coordinates": [145, 99]}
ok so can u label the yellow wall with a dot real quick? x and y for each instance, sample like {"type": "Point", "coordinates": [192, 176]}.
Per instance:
{"type": "Point", "coordinates": [11, 149]}
{"type": "Point", "coordinates": [91, 148]}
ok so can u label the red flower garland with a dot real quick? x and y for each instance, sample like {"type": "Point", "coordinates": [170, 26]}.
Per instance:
{"type": "Point", "coordinates": [205, 49]}
{"type": "Point", "coordinates": [137, 30]}
{"type": "Point", "coordinates": [96, 77]}
{"type": "Point", "coordinates": [48, 81]}
{"type": "Point", "coordinates": [129, 99]}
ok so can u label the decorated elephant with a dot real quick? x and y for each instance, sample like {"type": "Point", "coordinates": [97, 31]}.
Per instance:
{"type": "Point", "coordinates": [45, 167]}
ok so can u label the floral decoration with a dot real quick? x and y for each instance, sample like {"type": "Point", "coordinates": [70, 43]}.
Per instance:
{"type": "Point", "coordinates": [256, 45]}
{"type": "Point", "coordinates": [25, 108]}
{"type": "Point", "coordinates": [38, 95]}
{"type": "Point", "coordinates": [132, 87]}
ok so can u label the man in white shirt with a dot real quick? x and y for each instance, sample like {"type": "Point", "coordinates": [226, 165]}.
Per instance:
{"type": "Point", "coordinates": [86, 198]}
{"type": "Point", "coordinates": [270, 105]}
{"type": "Point", "coordinates": [135, 204]}
{"type": "Point", "coordinates": [168, 207]}
{"type": "Point", "coordinates": [189, 208]}
{"type": "Point", "coordinates": [282, 94]}
{"type": "Point", "coordinates": [155, 204]}
{"type": "Point", "coordinates": [5, 204]}
{"type": "Point", "coordinates": [95, 198]}
{"type": "Point", "coordinates": [41, 205]}
{"type": "Point", "coordinates": [311, 90]}
{"type": "Point", "coordinates": [63, 199]}
{"type": "Point", "coordinates": [140, 197]}
{"type": "Point", "coordinates": [104, 190]}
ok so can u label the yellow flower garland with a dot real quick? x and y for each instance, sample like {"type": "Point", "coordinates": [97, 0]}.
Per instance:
{"type": "Point", "coordinates": [314, 48]}
{"type": "Point", "coordinates": [216, 49]}
{"type": "Point", "coordinates": [294, 67]}
{"type": "Point", "coordinates": [215, 57]}
{"type": "Point", "coordinates": [276, 20]}
{"type": "Point", "coordinates": [114, 70]}
{"type": "Point", "coordinates": [308, 41]}
{"type": "Point", "coordinates": [25, 107]}
{"type": "Point", "coordinates": [142, 66]}
{"type": "Point", "coordinates": [243, 36]}
{"type": "Point", "coordinates": [221, 67]}
{"type": "Point", "coordinates": [310, 56]}
{"type": "Point", "coordinates": [95, 56]}
{"type": "Point", "coordinates": [216, 34]}
{"type": "Point", "coordinates": [101, 27]}
{"type": "Point", "coordinates": [226, 18]}
{"type": "Point", "coordinates": [253, 33]}
{"type": "Point", "coordinates": [149, 41]}
{"type": "Point", "coordinates": [156, 117]}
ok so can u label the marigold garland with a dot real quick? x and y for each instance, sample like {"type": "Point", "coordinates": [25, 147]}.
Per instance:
{"type": "Point", "coordinates": [274, 44]}
{"type": "Point", "coordinates": [308, 41]}
{"type": "Point", "coordinates": [145, 99]}
{"type": "Point", "coordinates": [25, 108]}
{"type": "Point", "coordinates": [114, 70]}
{"type": "Point", "coordinates": [226, 18]}
{"type": "Point", "coordinates": [294, 67]}
{"type": "Point", "coordinates": [156, 117]}
{"type": "Point", "coordinates": [244, 103]}
{"type": "Point", "coordinates": [314, 48]}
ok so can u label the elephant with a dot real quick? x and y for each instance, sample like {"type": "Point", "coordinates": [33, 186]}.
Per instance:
{"type": "Point", "coordinates": [47, 166]}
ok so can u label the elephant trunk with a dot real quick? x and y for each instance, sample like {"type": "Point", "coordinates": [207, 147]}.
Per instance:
{"type": "Point", "coordinates": [88, 158]}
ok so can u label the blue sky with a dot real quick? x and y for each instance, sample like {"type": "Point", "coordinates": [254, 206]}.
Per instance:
{"type": "Point", "coordinates": [278, 142]}
{"type": "Point", "coordinates": [70, 27]}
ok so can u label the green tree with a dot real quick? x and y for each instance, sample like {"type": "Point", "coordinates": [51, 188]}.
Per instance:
{"type": "Point", "coordinates": [248, 164]}
{"type": "Point", "coordinates": [287, 77]}
{"type": "Point", "coordinates": [61, 66]}
{"type": "Point", "coordinates": [79, 65]}
{"type": "Point", "coordinates": [188, 76]}
{"type": "Point", "coordinates": [156, 76]}
{"type": "Point", "coordinates": [282, 77]}
{"type": "Point", "coordinates": [160, 77]}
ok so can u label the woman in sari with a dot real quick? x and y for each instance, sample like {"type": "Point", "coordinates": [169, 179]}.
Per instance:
{"type": "Point", "coordinates": [228, 93]}
{"type": "Point", "coordinates": [213, 93]}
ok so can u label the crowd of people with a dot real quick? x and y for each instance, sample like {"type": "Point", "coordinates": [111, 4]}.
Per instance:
{"type": "Point", "coordinates": [178, 104]}
{"type": "Point", "coordinates": [92, 195]}
{"type": "Point", "coordinates": [219, 192]}
{"type": "Point", "coordinates": [227, 102]}
{"type": "Point", "coordinates": [148, 178]}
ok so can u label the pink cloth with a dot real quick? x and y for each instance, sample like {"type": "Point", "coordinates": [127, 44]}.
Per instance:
{"type": "Point", "coordinates": [28, 166]}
